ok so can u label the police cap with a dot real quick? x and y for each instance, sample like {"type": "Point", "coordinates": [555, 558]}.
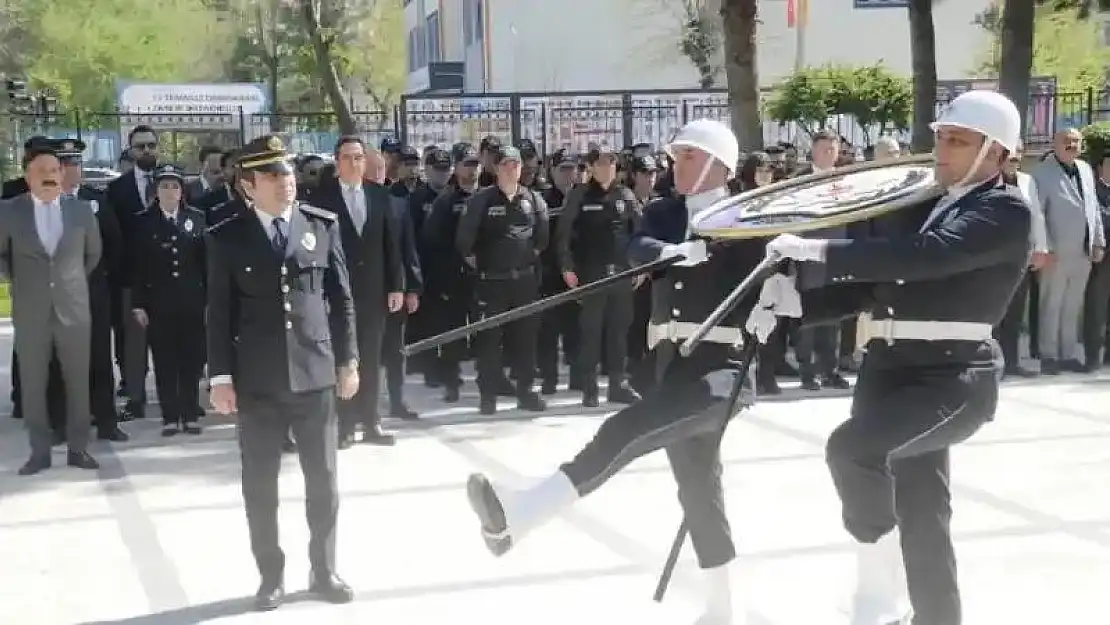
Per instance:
{"type": "Point", "coordinates": [563, 158]}
{"type": "Point", "coordinates": [265, 154]}
{"type": "Point", "coordinates": [527, 148]}
{"type": "Point", "coordinates": [37, 141]}
{"type": "Point", "coordinates": [409, 155]}
{"type": "Point", "coordinates": [489, 144]}
{"type": "Point", "coordinates": [644, 164]}
{"type": "Point", "coordinates": [642, 149]}
{"type": "Point", "coordinates": [389, 145]}
{"type": "Point", "coordinates": [438, 158]}
{"type": "Point", "coordinates": [507, 153]}
{"type": "Point", "coordinates": [459, 148]}
{"type": "Point", "coordinates": [167, 171]}
{"type": "Point", "coordinates": [599, 152]}
{"type": "Point", "coordinates": [69, 150]}
{"type": "Point", "coordinates": [468, 156]}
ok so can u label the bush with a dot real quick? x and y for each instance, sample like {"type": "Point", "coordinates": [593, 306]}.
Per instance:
{"type": "Point", "coordinates": [1096, 142]}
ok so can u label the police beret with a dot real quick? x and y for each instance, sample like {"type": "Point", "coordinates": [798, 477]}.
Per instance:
{"type": "Point", "coordinates": [508, 153]}
{"type": "Point", "coordinates": [490, 143]}
{"type": "Point", "coordinates": [389, 145]}
{"type": "Point", "coordinates": [169, 171]}
{"type": "Point", "coordinates": [265, 154]}
{"type": "Point", "coordinates": [437, 158]}
{"type": "Point", "coordinates": [468, 155]}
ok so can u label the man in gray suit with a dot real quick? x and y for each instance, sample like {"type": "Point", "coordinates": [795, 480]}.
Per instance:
{"type": "Point", "coordinates": [48, 247]}
{"type": "Point", "coordinates": [1068, 197]}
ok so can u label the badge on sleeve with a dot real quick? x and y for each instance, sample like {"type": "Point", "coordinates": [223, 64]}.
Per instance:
{"type": "Point", "coordinates": [95, 206]}
{"type": "Point", "coordinates": [188, 225]}
{"type": "Point", "coordinates": [309, 241]}
{"type": "Point", "coordinates": [620, 205]}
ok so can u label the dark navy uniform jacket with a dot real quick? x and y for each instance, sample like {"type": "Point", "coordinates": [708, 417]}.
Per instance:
{"type": "Point", "coordinates": [504, 235]}
{"type": "Point", "coordinates": [171, 274]}
{"type": "Point", "coordinates": [445, 272]}
{"type": "Point", "coordinates": [595, 227]}
{"type": "Point", "coordinates": [964, 267]}
{"type": "Point", "coordinates": [279, 324]}
{"type": "Point", "coordinates": [684, 297]}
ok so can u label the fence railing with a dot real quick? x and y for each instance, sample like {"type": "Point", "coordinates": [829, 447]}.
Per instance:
{"type": "Point", "coordinates": [551, 120]}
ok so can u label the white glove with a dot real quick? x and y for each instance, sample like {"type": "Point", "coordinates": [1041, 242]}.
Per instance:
{"type": "Point", "coordinates": [692, 252]}
{"type": "Point", "coordinates": [797, 248]}
{"type": "Point", "coordinates": [777, 298]}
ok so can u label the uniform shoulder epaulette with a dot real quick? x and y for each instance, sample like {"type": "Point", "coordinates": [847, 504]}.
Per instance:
{"type": "Point", "coordinates": [315, 211]}
{"type": "Point", "coordinates": [194, 211]}
{"type": "Point", "coordinates": [220, 224]}
{"type": "Point", "coordinates": [220, 205]}
{"type": "Point", "coordinates": [142, 212]}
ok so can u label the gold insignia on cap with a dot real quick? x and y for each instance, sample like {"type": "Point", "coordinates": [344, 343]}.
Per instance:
{"type": "Point", "coordinates": [68, 145]}
{"type": "Point", "coordinates": [275, 144]}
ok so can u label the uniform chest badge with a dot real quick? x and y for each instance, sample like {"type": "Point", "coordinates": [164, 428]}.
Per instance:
{"type": "Point", "coordinates": [526, 207]}
{"type": "Point", "coordinates": [95, 206]}
{"type": "Point", "coordinates": [188, 225]}
{"type": "Point", "coordinates": [620, 205]}
{"type": "Point", "coordinates": [309, 241]}
{"type": "Point", "coordinates": [427, 209]}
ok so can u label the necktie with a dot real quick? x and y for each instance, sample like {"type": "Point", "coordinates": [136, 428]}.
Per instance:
{"type": "Point", "coordinates": [151, 189]}
{"type": "Point", "coordinates": [358, 213]}
{"type": "Point", "coordinates": [281, 237]}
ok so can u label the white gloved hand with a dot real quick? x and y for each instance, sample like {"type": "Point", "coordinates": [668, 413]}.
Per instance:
{"type": "Point", "coordinates": [777, 298]}
{"type": "Point", "coordinates": [761, 323]}
{"type": "Point", "coordinates": [797, 248]}
{"type": "Point", "coordinates": [692, 252]}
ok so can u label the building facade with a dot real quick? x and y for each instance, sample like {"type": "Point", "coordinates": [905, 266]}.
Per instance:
{"type": "Point", "coordinates": [598, 45]}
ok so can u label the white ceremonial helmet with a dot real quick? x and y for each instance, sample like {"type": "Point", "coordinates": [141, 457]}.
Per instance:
{"type": "Point", "coordinates": [987, 112]}
{"type": "Point", "coordinates": [709, 136]}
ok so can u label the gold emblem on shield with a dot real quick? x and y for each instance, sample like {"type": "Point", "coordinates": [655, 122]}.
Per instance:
{"type": "Point", "coordinates": [275, 144]}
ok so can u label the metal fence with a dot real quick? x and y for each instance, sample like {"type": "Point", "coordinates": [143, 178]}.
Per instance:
{"type": "Point", "coordinates": [551, 120]}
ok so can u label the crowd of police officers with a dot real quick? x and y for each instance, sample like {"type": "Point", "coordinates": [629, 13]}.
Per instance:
{"type": "Point", "coordinates": [487, 228]}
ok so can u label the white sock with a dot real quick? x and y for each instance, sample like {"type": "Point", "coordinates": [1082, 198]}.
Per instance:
{"type": "Point", "coordinates": [718, 597]}
{"type": "Point", "coordinates": [881, 595]}
{"type": "Point", "coordinates": [528, 509]}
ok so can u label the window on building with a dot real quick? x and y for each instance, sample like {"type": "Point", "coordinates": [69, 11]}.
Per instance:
{"type": "Point", "coordinates": [478, 24]}
{"type": "Point", "coordinates": [434, 50]}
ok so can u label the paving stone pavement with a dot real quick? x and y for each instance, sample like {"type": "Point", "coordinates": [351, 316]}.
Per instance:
{"type": "Point", "coordinates": [157, 536]}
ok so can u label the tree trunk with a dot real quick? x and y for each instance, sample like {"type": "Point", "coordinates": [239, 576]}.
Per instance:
{"type": "Point", "coordinates": [923, 45]}
{"type": "Point", "coordinates": [326, 68]}
{"type": "Point", "coordinates": [1017, 53]}
{"type": "Point", "coordinates": [739, 20]}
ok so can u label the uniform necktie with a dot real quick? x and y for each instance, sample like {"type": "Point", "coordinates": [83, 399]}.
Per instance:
{"type": "Point", "coordinates": [151, 189]}
{"type": "Point", "coordinates": [281, 237]}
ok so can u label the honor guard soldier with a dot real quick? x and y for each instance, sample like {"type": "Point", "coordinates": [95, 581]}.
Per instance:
{"type": "Point", "coordinates": [680, 413]}
{"type": "Point", "coordinates": [598, 219]}
{"type": "Point", "coordinates": [168, 297]}
{"type": "Point", "coordinates": [560, 321]}
{"type": "Point", "coordinates": [281, 346]}
{"type": "Point", "coordinates": [448, 280]}
{"type": "Point", "coordinates": [930, 286]}
{"type": "Point", "coordinates": [501, 234]}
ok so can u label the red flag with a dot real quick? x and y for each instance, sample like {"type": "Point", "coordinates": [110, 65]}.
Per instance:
{"type": "Point", "coordinates": [791, 14]}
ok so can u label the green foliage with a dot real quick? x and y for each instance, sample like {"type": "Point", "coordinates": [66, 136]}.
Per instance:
{"type": "Point", "coordinates": [699, 40]}
{"type": "Point", "coordinates": [1065, 45]}
{"type": "Point", "coordinates": [877, 98]}
{"type": "Point", "coordinates": [1096, 142]}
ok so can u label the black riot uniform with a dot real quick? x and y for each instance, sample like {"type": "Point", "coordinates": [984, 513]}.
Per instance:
{"type": "Point", "coordinates": [281, 321]}
{"type": "Point", "coordinates": [488, 150]}
{"type": "Point", "coordinates": [503, 236]}
{"type": "Point", "coordinates": [592, 242]}
{"type": "Point", "coordinates": [168, 288]}
{"type": "Point", "coordinates": [641, 299]}
{"type": "Point", "coordinates": [560, 322]}
{"type": "Point", "coordinates": [448, 280]}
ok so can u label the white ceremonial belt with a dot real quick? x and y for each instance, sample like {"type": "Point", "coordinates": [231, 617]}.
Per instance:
{"type": "Point", "coordinates": [891, 330]}
{"type": "Point", "coordinates": [676, 330]}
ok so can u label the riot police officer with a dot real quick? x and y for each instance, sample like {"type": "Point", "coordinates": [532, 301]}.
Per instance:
{"type": "Point", "coordinates": [168, 297]}
{"type": "Point", "coordinates": [561, 321]}
{"type": "Point", "coordinates": [598, 219]}
{"type": "Point", "coordinates": [448, 281]}
{"type": "Point", "coordinates": [501, 233]}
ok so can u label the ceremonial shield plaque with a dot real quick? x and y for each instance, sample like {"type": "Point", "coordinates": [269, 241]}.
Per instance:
{"type": "Point", "coordinates": [825, 200]}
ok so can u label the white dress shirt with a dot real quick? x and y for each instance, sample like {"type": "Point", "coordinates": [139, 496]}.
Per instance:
{"type": "Point", "coordinates": [142, 179]}
{"type": "Point", "coordinates": [355, 199]}
{"type": "Point", "coordinates": [48, 223]}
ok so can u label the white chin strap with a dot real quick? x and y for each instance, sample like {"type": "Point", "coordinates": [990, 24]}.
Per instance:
{"type": "Point", "coordinates": [987, 142]}
{"type": "Point", "coordinates": [703, 175]}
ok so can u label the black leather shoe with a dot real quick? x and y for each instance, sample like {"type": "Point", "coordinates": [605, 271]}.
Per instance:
{"type": "Point", "coordinates": [487, 405]}
{"type": "Point", "coordinates": [484, 502]}
{"type": "Point", "coordinates": [114, 434]}
{"type": "Point", "coordinates": [1050, 366]}
{"type": "Point", "coordinates": [768, 387]}
{"type": "Point", "coordinates": [269, 596]}
{"type": "Point", "coordinates": [531, 402]}
{"type": "Point", "coordinates": [1018, 371]}
{"type": "Point", "coordinates": [623, 394]}
{"type": "Point", "coordinates": [836, 381]}
{"type": "Point", "coordinates": [591, 399]}
{"type": "Point", "coordinates": [82, 460]}
{"type": "Point", "coordinates": [330, 588]}
{"type": "Point", "coordinates": [346, 441]}
{"type": "Point", "coordinates": [1072, 365]}
{"type": "Point", "coordinates": [506, 388]}
{"type": "Point", "coordinates": [809, 383]}
{"type": "Point", "coordinates": [404, 413]}
{"type": "Point", "coordinates": [549, 387]}
{"type": "Point", "coordinates": [377, 436]}
{"type": "Point", "coordinates": [451, 395]}
{"type": "Point", "coordinates": [36, 464]}
{"type": "Point", "coordinates": [192, 429]}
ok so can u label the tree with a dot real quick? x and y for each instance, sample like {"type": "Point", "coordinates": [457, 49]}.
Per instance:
{"type": "Point", "coordinates": [129, 40]}
{"type": "Point", "coordinates": [320, 20]}
{"type": "Point", "coordinates": [268, 42]}
{"type": "Point", "coordinates": [739, 20]}
{"type": "Point", "coordinates": [1015, 38]}
{"type": "Point", "coordinates": [923, 53]}
{"type": "Point", "coordinates": [806, 98]}
{"type": "Point", "coordinates": [701, 38]}
{"type": "Point", "coordinates": [694, 27]}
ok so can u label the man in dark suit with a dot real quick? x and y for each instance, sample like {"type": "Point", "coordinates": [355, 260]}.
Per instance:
{"type": "Point", "coordinates": [281, 347]}
{"type": "Point", "coordinates": [371, 242]}
{"type": "Point", "coordinates": [211, 175]}
{"type": "Point", "coordinates": [394, 340]}
{"type": "Point", "coordinates": [129, 195]}
{"type": "Point", "coordinates": [219, 203]}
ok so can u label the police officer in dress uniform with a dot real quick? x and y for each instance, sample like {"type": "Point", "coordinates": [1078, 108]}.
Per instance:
{"type": "Point", "coordinates": [560, 322]}
{"type": "Point", "coordinates": [281, 347]}
{"type": "Point", "coordinates": [168, 297]}
{"type": "Point", "coordinates": [598, 220]}
{"type": "Point", "coordinates": [931, 287]}
{"type": "Point", "coordinates": [448, 281]}
{"type": "Point", "coordinates": [501, 233]}
{"type": "Point", "coordinates": [679, 414]}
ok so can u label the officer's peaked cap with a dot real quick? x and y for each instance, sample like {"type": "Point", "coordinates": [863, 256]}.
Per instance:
{"type": "Point", "coordinates": [988, 113]}
{"type": "Point", "coordinates": [468, 154]}
{"type": "Point", "coordinates": [266, 154]}
{"type": "Point", "coordinates": [389, 145]}
{"type": "Point", "coordinates": [37, 141]}
{"type": "Point", "coordinates": [709, 136]}
{"type": "Point", "coordinates": [409, 154]}
{"type": "Point", "coordinates": [438, 158]}
{"type": "Point", "coordinates": [167, 171]}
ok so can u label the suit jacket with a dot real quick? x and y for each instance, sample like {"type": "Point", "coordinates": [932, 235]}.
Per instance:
{"type": "Point", "coordinates": [12, 188]}
{"type": "Point", "coordinates": [1072, 217]}
{"type": "Point", "coordinates": [410, 254]}
{"type": "Point", "coordinates": [373, 257]}
{"type": "Point", "coordinates": [194, 191]}
{"type": "Point", "coordinates": [108, 272]}
{"type": "Point", "coordinates": [279, 323]}
{"type": "Point", "coordinates": [45, 287]}
{"type": "Point", "coordinates": [212, 199]}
